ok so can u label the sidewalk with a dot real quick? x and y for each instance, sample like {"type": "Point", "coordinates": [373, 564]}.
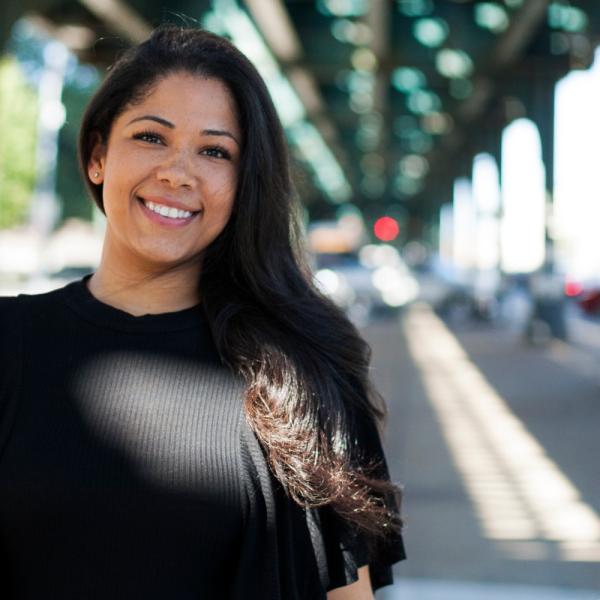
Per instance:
{"type": "Point", "coordinates": [452, 590]}
{"type": "Point", "coordinates": [475, 516]}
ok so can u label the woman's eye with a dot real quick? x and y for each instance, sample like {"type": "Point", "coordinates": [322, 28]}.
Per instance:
{"type": "Point", "coordinates": [148, 136]}
{"type": "Point", "coordinates": [216, 152]}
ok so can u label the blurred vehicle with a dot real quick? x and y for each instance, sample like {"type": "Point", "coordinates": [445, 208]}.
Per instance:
{"type": "Point", "coordinates": [586, 295]}
{"type": "Point", "coordinates": [589, 301]}
{"type": "Point", "coordinates": [548, 319]}
{"type": "Point", "coordinates": [369, 282]}
{"type": "Point", "coordinates": [459, 295]}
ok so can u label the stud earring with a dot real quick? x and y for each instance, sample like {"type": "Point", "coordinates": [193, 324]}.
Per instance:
{"type": "Point", "coordinates": [96, 175]}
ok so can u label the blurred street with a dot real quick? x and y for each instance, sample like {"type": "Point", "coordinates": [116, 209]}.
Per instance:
{"type": "Point", "coordinates": [495, 442]}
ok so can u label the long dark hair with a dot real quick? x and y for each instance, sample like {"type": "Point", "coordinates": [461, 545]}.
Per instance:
{"type": "Point", "coordinates": [308, 397]}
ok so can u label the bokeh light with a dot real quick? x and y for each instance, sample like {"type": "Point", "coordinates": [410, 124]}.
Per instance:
{"type": "Point", "coordinates": [386, 229]}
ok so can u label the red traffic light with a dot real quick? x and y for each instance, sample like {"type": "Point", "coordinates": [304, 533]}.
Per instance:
{"type": "Point", "coordinates": [386, 229]}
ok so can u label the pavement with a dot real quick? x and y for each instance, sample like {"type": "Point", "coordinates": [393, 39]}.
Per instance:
{"type": "Point", "coordinates": [453, 590]}
{"type": "Point", "coordinates": [496, 444]}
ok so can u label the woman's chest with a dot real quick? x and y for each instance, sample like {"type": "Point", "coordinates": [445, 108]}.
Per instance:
{"type": "Point", "coordinates": [135, 442]}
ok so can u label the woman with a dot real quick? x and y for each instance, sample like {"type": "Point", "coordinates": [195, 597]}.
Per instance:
{"type": "Point", "coordinates": [193, 420]}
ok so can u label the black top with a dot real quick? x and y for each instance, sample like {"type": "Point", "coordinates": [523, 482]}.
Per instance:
{"type": "Point", "coordinates": [127, 469]}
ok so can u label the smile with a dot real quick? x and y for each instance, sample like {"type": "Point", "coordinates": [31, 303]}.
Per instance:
{"type": "Point", "coordinates": [171, 217]}
{"type": "Point", "coordinates": [167, 211]}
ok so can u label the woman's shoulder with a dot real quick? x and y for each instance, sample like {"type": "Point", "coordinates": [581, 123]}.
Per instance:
{"type": "Point", "coordinates": [14, 303]}
{"type": "Point", "coordinates": [29, 304]}
{"type": "Point", "coordinates": [10, 349]}
{"type": "Point", "coordinates": [8, 303]}
{"type": "Point", "coordinates": [10, 330]}
{"type": "Point", "coordinates": [15, 311]}
{"type": "Point", "coordinates": [9, 312]}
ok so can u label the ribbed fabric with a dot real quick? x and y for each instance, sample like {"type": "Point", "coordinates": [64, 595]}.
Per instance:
{"type": "Point", "coordinates": [121, 475]}
{"type": "Point", "coordinates": [128, 471]}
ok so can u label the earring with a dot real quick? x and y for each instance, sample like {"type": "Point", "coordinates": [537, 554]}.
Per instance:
{"type": "Point", "coordinates": [96, 175]}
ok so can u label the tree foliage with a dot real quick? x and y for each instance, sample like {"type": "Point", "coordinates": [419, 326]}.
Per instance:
{"type": "Point", "coordinates": [18, 127]}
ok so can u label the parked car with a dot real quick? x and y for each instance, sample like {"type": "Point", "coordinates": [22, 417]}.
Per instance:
{"type": "Point", "coordinates": [366, 283]}
{"type": "Point", "coordinates": [586, 295]}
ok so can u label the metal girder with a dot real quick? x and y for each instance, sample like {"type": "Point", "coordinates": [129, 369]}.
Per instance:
{"type": "Point", "coordinates": [507, 50]}
{"type": "Point", "coordinates": [523, 27]}
{"type": "Point", "coordinates": [274, 23]}
{"type": "Point", "coordinates": [378, 19]}
{"type": "Point", "coordinates": [315, 61]}
{"type": "Point", "coordinates": [477, 114]}
{"type": "Point", "coordinates": [121, 18]}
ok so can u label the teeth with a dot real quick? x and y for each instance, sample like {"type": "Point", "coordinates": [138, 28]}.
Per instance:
{"type": "Point", "coordinates": [166, 211]}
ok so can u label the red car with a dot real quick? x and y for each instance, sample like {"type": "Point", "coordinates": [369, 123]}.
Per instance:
{"type": "Point", "coordinates": [587, 296]}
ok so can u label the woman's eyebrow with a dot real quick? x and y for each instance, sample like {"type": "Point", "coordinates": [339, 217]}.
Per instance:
{"type": "Point", "coordinates": [153, 118]}
{"type": "Point", "coordinates": [220, 132]}
{"type": "Point", "coordinates": [170, 125]}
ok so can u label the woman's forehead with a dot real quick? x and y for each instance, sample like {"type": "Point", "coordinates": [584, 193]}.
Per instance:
{"type": "Point", "coordinates": [184, 98]}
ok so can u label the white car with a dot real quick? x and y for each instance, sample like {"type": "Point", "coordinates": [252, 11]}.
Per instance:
{"type": "Point", "coordinates": [373, 280]}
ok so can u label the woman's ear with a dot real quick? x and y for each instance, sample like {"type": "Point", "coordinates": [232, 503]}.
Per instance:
{"type": "Point", "coordinates": [97, 160]}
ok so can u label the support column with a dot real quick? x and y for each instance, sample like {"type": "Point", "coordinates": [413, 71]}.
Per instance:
{"type": "Point", "coordinates": [547, 285]}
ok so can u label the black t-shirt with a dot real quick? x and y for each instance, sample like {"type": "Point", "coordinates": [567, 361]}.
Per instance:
{"type": "Point", "coordinates": [127, 469]}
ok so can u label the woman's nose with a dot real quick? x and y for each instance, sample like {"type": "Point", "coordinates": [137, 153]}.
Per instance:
{"type": "Point", "coordinates": [176, 170]}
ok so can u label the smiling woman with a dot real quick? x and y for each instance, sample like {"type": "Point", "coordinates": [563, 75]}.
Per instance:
{"type": "Point", "coordinates": [194, 419]}
{"type": "Point", "coordinates": [169, 173]}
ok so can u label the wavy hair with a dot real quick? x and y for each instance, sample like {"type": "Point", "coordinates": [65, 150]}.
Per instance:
{"type": "Point", "coordinates": [308, 398]}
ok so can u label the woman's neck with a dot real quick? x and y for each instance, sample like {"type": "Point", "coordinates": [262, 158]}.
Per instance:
{"type": "Point", "coordinates": [141, 292]}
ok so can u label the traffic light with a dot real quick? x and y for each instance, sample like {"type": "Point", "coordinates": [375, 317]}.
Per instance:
{"type": "Point", "coordinates": [386, 229]}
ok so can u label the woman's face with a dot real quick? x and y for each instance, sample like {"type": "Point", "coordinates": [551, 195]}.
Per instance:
{"type": "Point", "coordinates": [169, 169]}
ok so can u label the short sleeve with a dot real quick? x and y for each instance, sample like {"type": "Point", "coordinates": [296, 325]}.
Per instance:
{"type": "Point", "coordinates": [340, 549]}
{"type": "Point", "coordinates": [292, 553]}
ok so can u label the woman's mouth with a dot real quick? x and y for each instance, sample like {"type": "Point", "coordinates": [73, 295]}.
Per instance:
{"type": "Point", "coordinates": [161, 213]}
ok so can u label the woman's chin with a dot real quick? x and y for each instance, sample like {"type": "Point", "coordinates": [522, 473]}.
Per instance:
{"type": "Point", "coordinates": [159, 259]}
